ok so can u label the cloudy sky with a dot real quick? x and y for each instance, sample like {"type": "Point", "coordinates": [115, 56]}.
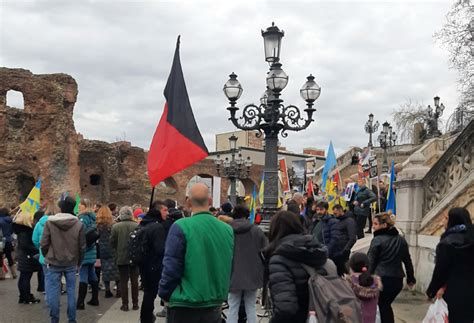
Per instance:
{"type": "Point", "coordinates": [368, 56]}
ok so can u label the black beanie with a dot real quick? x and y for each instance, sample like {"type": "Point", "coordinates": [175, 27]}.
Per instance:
{"type": "Point", "coordinates": [67, 205]}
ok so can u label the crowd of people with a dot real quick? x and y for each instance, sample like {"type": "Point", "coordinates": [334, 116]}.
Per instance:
{"type": "Point", "coordinates": [197, 259]}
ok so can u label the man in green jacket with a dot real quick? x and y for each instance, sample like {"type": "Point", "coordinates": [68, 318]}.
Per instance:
{"type": "Point", "coordinates": [119, 241]}
{"type": "Point", "coordinates": [197, 264]}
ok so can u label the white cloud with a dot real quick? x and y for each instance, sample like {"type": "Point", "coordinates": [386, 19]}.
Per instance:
{"type": "Point", "coordinates": [367, 56]}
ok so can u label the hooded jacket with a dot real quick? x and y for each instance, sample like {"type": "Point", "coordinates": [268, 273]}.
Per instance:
{"type": "Point", "coordinates": [454, 268]}
{"type": "Point", "coordinates": [247, 265]}
{"type": "Point", "coordinates": [388, 250]}
{"type": "Point", "coordinates": [154, 244]}
{"type": "Point", "coordinates": [368, 296]}
{"type": "Point", "coordinates": [6, 226]}
{"type": "Point", "coordinates": [119, 238]}
{"type": "Point", "coordinates": [37, 234]}
{"type": "Point", "coordinates": [288, 280]}
{"type": "Point", "coordinates": [88, 219]}
{"type": "Point", "coordinates": [63, 242]}
{"type": "Point", "coordinates": [26, 251]}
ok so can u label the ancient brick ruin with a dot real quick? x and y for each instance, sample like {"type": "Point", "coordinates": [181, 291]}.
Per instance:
{"type": "Point", "coordinates": [41, 141]}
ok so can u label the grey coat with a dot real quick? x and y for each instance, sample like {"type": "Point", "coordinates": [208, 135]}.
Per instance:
{"type": "Point", "coordinates": [63, 242]}
{"type": "Point", "coordinates": [247, 265]}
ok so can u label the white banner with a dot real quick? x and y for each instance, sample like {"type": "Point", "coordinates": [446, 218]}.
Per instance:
{"type": "Point", "coordinates": [216, 191]}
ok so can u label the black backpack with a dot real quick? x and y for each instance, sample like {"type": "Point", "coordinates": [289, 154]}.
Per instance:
{"type": "Point", "coordinates": [136, 246]}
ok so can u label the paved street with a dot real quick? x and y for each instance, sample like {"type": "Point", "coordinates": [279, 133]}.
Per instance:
{"type": "Point", "coordinates": [409, 308]}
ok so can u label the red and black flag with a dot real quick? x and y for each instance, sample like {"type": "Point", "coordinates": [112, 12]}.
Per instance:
{"type": "Point", "coordinates": [177, 143]}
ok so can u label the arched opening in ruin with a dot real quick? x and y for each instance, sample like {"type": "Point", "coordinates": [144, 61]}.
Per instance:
{"type": "Point", "coordinates": [240, 188]}
{"type": "Point", "coordinates": [25, 184]}
{"type": "Point", "coordinates": [200, 178]}
{"type": "Point", "coordinates": [94, 179]}
{"type": "Point", "coordinates": [15, 99]}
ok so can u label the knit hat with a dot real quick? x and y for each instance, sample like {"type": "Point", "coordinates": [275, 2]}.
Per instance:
{"type": "Point", "coordinates": [226, 207]}
{"type": "Point", "coordinates": [137, 213]}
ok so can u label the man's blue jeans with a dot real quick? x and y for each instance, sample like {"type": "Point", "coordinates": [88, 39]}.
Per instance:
{"type": "Point", "coordinates": [250, 298]}
{"type": "Point", "coordinates": [87, 274]}
{"type": "Point", "coordinates": [53, 292]}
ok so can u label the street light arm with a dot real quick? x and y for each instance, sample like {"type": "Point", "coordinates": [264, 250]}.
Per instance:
{"type": "Point", "coordinates": [251, 116]}
{"type": "Point", "coordinates": [291, 118]}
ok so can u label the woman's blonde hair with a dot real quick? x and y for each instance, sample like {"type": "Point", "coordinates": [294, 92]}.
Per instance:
{"type": "Point", "coordinates": [52, 209]}
{"type": "Point", "coordinates": [88, 205]}
{"type": "Point", "coordinates": [385, 218]}
{"type": "Point", "coordinates": [104, 217]}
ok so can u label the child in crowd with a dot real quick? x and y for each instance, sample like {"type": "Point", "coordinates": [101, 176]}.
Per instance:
{"type": "Point", "coordinates": [366, 286]}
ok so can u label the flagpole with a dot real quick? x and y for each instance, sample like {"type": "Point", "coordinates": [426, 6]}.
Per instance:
{"type": "Point", "coordinates": [151, 197]}
{"type": "Point", "coordinates": [378, 194]}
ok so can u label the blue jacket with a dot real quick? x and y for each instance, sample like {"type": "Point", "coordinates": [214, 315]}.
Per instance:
{"type": "Point", "coordinates": [327, 233]}
{"type": "Point", "coordinates": [37, 234]}
{"type": "Point", "coordinates": [6, 227]}
{"type": "Point", "coordinates": [88, 220]}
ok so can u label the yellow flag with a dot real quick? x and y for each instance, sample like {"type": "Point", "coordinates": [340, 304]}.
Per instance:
{"type": "Point", "coordinates": [331, 195]}
{"type": "Point", "coordinates": [32, 202]}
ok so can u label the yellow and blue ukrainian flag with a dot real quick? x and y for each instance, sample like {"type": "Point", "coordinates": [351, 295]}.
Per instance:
{"type": "Point", "coordinates": [32, 202]}
{"type": "Point", "coordinates": [253, 204]}
{"type": "Point", "coordinates": [329, 165]}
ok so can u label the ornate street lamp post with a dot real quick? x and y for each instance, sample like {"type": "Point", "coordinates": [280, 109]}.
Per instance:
{"type": "Point", "coordinates": [271, 117]}
{"type": "Point", "coordinates": [370, 128]}
{"type": "Point", "coordinates": [233, 168]}
{"type": "Point", "coordinates": [433, 117]}
{"type": "Point", "coordinates": [387, 138]}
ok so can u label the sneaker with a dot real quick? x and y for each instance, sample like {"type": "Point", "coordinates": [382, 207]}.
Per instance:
{"type": "Point", "coordinates": [162, 313]}
{"type": "Point", "coordinates": [31, 300]}
{"type": "Point", "coordinates": [108, 294]}
{"type": "Point", "coordinates": [124, 308]}
{"type": "Point", "coordinates": [135, 307]}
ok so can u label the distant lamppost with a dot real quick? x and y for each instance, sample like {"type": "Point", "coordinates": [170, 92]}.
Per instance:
{"type": "Point", "coordinates": [233, 168]}
{"type": "Point", "coordinates": [370, 128]}
{"type": "Point", "coordinates": [387, 138]}
{"type": "Point", "coordinates": [433, 117]}
{"type": "Point", "coordinates": [271, 117]}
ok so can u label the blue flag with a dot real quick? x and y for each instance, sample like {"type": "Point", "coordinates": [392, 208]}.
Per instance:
{"type": "Point", "coordinates": [391, 203]}
{"type": "Point", "coordinates": [330, 164]}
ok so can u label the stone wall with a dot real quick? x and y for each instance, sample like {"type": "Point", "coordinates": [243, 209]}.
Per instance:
{"type": "Point", "coordinates": [40, 140]}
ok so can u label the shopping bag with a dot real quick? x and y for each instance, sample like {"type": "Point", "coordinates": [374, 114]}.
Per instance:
{"type": "Point", "coordinates": [378, 319]}
{"type": "Point", "coordinates": [437, 313]}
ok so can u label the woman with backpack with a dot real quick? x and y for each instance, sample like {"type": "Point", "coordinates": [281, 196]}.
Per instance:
{"type": "Point", "coordinates": [288, 250]}
{"type": "Point", "coordinates": [87, 273]}
{"type": "Point", "coordinates": [453, 277]}
{"type": "Point", "coordinates": [109, 269]}
{"type": "Point", "coordinates": [388, 251]}
{"type": "Point", "coordinates": [366, 286]}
